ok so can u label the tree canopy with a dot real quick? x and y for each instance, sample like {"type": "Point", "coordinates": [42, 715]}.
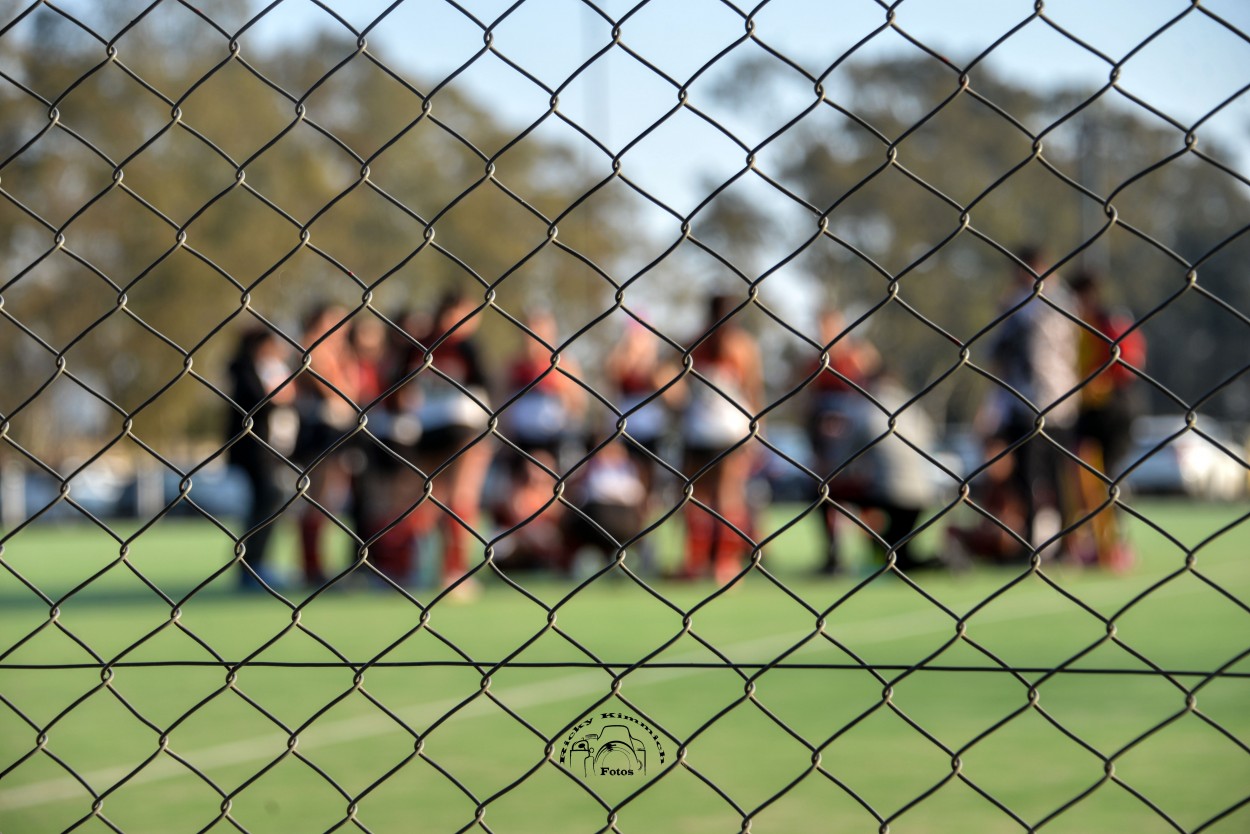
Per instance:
{"type": "Point", "coordinates": [167, 180]}
{"type": "Point", "coordinates": [180, 174]}
{"type": "Point", "coordinates": [902, 186]}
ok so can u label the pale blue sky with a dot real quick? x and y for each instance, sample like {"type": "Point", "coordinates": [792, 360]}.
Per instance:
{"type": "Point", "coordinates": [1185, 72]}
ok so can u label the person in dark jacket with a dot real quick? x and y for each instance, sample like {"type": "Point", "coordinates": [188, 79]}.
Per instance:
{"type": "Point", "coordinates": [262, 426]}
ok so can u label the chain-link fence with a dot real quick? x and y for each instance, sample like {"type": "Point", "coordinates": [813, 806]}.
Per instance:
{"type": "Point", "coordinates": [570, 416]}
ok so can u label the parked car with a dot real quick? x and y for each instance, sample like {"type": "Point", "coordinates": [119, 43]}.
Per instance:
{"type": "Point", "coordinates": [1188, 463]}
{"type": "Point", "coordinates": [97, 490]}
{"type": "Point", "coordinates": [220, 491]}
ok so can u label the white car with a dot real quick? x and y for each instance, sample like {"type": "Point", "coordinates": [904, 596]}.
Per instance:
{"type": "Point", "coordinates": [1189, 463]}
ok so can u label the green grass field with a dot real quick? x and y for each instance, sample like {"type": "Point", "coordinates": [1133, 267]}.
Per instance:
{"type": "Point", "coordinates": [1029, 715]}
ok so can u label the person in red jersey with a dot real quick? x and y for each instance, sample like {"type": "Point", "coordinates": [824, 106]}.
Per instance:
{"type": "Point", "coordinates": [723, 394]}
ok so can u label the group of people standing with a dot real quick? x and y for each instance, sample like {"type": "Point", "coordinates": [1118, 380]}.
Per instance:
{"type": "Point", "coordinates": [391, 431]}
{"type": "Point", "coordinates": [1058, 424]}
{"type": "Point", "coordinates": [1053, 433]}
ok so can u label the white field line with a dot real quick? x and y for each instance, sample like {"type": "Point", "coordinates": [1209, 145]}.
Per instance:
{"type": "Point", "coordinates": [878, 630]}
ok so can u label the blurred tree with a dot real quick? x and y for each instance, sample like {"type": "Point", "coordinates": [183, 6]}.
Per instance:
{"type": "Point", "coordinates": [921, 179]}
{"type": "Point", "coordinates": [156, 172]}
{"type": "Point", "coordinates": [179, 170]}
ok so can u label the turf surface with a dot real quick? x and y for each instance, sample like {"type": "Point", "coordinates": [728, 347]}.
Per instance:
{"type": "Point", "coordinates": [994, 700]}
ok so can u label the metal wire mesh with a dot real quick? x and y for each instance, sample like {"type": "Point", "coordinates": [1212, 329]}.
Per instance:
{"type": "Point", "coordinates": [175, 174]}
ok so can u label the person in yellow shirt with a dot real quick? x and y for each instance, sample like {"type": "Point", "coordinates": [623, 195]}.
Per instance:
{"type": "Point", "coordinates": [1110, 352]}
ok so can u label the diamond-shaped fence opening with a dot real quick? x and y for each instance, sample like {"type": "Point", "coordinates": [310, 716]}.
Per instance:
{"type": "Point", "coordinates": [571, 416]}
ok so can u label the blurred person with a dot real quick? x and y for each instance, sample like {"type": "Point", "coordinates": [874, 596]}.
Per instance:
{"type": "Point", "coordinates": [528, 517]}
{"type": "Point", "coordinates": [449, 408]}
{"type": "Point", "coordinates": [889, 474]}
{"type": "Point", "coordinates": [639, 377]}
{"type": "Point", "coordinates": [400, 426]}
{"type": "Point", "coordinates": [370, 352]}
{"type": "Point", "coordinates": [370, 346]}
{"type": "Point", "coordinates": [996, 534]}
{"type": "Point", "coordinates": [720, 400]}
{"type": "Point", "coordinates": [1109, 403]}
{"type": "Point", "coordinates": [550, 406]}
{"type": "Point", "coordinates": [260, 385]}
{"type": "Point", "coordinates": [610, 509]}
{"type": "Point", "coordinates": [833, 395]}
{"type": "Point", "coordinates": [1033, 352]}
{"type": "Point", "coordinates": [327, 396]}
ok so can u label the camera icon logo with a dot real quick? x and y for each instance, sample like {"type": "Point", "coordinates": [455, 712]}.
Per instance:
{"type": "Point", "coordinates": [613, 751]}
{"type": "Point", "coordinates": [612, 744]}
